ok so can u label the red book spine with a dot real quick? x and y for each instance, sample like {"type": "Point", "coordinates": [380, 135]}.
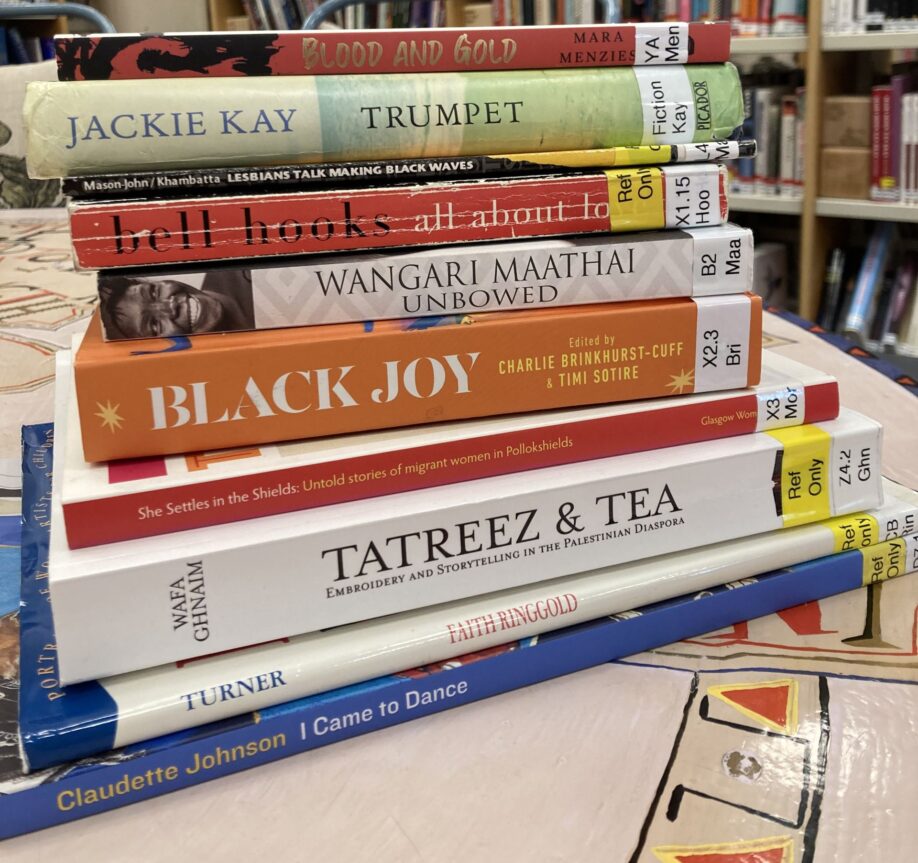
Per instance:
{"type": "Point", "coordinates": [881, 154]}
{"type": "Point", "coordinates": [876, 133]}
{"type": "Point", "coordinates": [142, 232]}
{"type": "Point", "coordinates": [887, 181]}
{"type": "Point", "coordinates": [124, 517]}
{"type": "Point", "coordinates": [355, 52]}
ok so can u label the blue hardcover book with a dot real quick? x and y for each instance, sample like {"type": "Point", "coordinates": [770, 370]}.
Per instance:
{"type": "Point", "coordinates": [148, 769]}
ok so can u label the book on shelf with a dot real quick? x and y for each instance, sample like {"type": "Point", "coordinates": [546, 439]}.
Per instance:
{"type": "Point", "coordinates": [368, 558]}
{"type": "Point", "coordinates": [869, 283]}
{"type": "Point", "coordinates": [871, 296]}
{"type": "Point", "coordinates": [142, 232]}
{"type": "Point", "coordinates": [112, 56]}
{"type": "Point", "coordinates": [833, 290]}
{"type": "Point", "coordinates": [144, 770]}
{"type": "Point", "coordinates": [81, 127]}
{"type": "Point", "coordinates": [906, 326]}
{"type": "Point", "coordinates": [875, 16]}
{"type": "Point", "coordinates": [444, 280]}
{"type": "Point", "coordinates": [238, 180]}
{"type": "Point", "coordinates": [188, 394]}
{"type": "Point", "coordinates": [775, 117]}
{"type": "Point", "coordinates": [751, 18]}
{"type": "Point", "coordinates": [894, 137]}
{"type": "Point", "coordinates": [152, 496]}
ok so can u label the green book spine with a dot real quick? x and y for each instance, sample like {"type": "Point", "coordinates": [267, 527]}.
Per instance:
{"type": "Point", "coordinates": [89, 127]}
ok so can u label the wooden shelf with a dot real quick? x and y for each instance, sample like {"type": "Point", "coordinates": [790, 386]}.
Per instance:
{"type": "Point", "coordinates": [744, 202]}
{"type": "Point", "coordinates": [877, 41]}
{"type": "Point", "coordinates": [850, 208]}
{"type": "Point", "coordinates": [768, 45]}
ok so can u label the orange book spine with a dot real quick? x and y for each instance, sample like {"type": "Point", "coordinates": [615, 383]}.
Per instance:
{"type": "Point", "coordinates": [163, 396]}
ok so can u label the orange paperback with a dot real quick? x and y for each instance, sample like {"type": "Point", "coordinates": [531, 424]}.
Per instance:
{"type": "Point", "coordinates": [160, 396]}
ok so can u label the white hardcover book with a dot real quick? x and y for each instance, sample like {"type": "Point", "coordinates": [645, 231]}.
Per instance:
{"type": "Point", "coordinates": [446, 280]}
{"type": "Point", "coordinates": [202, 591]}
{"type": "Point", "coordinates": [174, 697]}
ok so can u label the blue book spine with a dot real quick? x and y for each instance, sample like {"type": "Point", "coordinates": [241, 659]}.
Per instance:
{"type": "Point", "coordinates": [745, 168]}
{"type": "Point", "coordinates": [4, 54]}
{"type": "Point", "coordinates": [16, 46]}
{"type": "Point", "coordinates": [869, 278]}
{"type": "Point", "coordinates": [187, 758]}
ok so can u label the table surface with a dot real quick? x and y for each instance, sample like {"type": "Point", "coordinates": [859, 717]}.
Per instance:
{"type": "Point", "coordinates": [572, 769]}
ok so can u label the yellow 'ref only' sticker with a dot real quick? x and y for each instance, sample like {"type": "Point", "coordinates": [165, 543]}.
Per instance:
{"type": "Point", "coordinates": [636, 199]}
{"type": "Point", "coordinates": [805, 487]}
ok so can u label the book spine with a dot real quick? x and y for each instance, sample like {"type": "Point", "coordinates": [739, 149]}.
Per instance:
{"type": "Point", "coordinates": [130, 516]}
{"type": "Point", "coordinates": [897, 88]}
{"type": "Point", "coordinates": [876, 140]}
{"type": "Point", "coordinates": [745, 171]}
{"type": "Point", "coordinates": [913, 149]}
{"type": "Point", "coordinates": [832, 290]}
{"type": "Point", "coordinates": [157, 231]}
{"type": "Point", "coordinates": [88, 127]}
{"type": "Point", "coordinates": [789, 18]}
{"type": "Point", "coordinates": [882, 146]}
{"type": "Point", "coordinates": [868, 281]}
{"type": "Point", "coordinates": [906, 275]}
{"type": "Point", "coordinates": [310, 382]}
{"type": "Point", "coordinates": [302, 177]}
{"type": "Point", "coordinates": [905, 162]}
{"type": "Point", "coordinates": [451, 280]}
{"type": "Point", "coordinates": [443, 545]}
{"type": "Point", "coordinates": [788, 147]}
{"type": "Point", "coordinates": [887, 181]}
{"type": "Point", "coordinates": [845, 16]}
{"type": "Point", "coordinates": [800, 140]}
{"type": "Point", "coordinates": [167, 764]}
{"type": "Point", "coordinates": [768, 132]}
{"type": "Point", "coordinates": [122, 710]}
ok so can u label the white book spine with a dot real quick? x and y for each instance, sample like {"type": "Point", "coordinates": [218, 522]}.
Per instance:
{"type": "Point", "coordinates": [172, 698]}
{"type": "Point", "coordinates": [912, 99]}
{"type": "Point", "coordinates": [214, 589]}
{"type": "Point", "coordinates": [454, 280]}
{"type": "Point", "coordinates": [800, 140]}
{"type": "Point", "coordinates": [788, 148]}
{"type": "Point", "coordinates": [766, 133]}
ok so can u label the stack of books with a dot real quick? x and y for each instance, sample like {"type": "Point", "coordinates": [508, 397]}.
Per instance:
{"type": "Point", "coordinates": [287, 467]}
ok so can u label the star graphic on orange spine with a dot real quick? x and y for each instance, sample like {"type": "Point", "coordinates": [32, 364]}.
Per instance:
{"type": "Point", "coordinates": [108, 413]}
{"type": "Point", "coordinates": [678, 383]}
